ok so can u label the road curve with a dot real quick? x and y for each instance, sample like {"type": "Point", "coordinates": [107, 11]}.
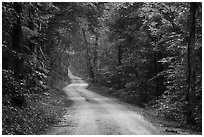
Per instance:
{"type": "Point", "coordinates": [94, 114]}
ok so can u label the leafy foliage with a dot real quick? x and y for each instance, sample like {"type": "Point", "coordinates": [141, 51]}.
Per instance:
{"type": "Point", "coordinates": [139, 50]}
{"type": "Point", "coordinates": [24, 97]}
{"type": "Point", "coordinates": [142, 53]}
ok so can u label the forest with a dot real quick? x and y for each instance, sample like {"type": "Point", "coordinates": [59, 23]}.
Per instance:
{"type": "Point", "coordinates": [146, 53]}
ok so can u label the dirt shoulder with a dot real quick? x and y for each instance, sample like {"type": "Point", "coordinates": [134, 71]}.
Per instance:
{"type": "Point", "coordinates": [42, 110]}
{"type": "Point", "coordinates": [55, 105]}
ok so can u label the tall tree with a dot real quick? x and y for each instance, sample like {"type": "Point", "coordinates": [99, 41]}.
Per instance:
{"type": "Point", "coordinates": [17, 41]}
{"type": "Point", "coordinates": [191, 62]}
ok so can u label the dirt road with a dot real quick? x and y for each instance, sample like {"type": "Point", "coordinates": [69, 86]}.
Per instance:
{"type": "Point", "coordinates": [93, 114]}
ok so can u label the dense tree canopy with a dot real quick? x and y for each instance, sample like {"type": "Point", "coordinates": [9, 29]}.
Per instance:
{"type": "Point", "coordinates": [145, 52]}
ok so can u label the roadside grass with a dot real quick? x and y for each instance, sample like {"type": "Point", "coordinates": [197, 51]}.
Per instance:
{"type": "Point", "coordinates": [42, 111]}
{"type": "Point", "coordinates": [148, 112]}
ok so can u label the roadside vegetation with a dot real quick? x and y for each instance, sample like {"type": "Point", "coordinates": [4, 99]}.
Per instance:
{"type": "Point", "coordinates": [149, 54]}
{"type": "Point", "coordinates": [36, 114]}
{"type": "Point", "coordinates": [32, 71]}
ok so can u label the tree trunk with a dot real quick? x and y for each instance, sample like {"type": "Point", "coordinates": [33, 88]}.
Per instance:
{"type": "Point", "coordinates": [119, 65]}
{"type": "Point", "coordinates": [158, 68]}
{"type": "Point", "coordinates": [191, 64]}
{"type": "Point", "coordinates": [156, 72]}
{"type": "Point", "coordinates": [95, 57]}
{"type": "Point", "coordinates": [89, 65]}
{"type": "Point", "coordinates": [17, 41]}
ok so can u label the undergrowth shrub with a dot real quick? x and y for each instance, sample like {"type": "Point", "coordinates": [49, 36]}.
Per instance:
{"type": "Point", "coordinates": [28, 109]}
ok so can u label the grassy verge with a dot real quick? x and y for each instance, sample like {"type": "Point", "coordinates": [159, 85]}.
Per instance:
{"type": "Point", "coordinates": [42, 111]}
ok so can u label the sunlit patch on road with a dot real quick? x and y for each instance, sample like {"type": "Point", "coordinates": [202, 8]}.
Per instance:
{"type": "Point", "coordinates": [79, 84]}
